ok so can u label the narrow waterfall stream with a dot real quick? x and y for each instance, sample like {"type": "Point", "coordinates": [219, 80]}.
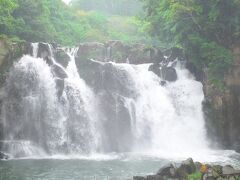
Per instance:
{"type": "Point", "coordinates": [120, 112]}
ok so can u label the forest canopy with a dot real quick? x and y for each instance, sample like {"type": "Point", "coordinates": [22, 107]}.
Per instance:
{"type": "Point", "coordinates": [54, 21]}
{"type": "Point", "coordinates": [206, 30]}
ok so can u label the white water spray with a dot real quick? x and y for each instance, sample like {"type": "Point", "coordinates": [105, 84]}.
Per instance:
{"type": "Point", "coordinates": [130, 111]}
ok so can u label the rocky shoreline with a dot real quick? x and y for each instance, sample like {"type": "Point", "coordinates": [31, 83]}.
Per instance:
{"type": "Point", "coordinates": [190, 170]}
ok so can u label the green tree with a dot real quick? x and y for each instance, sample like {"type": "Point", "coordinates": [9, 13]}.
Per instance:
{"type": "Point", "coordinates": [6, 19]}
{"type": "Point", "coordinates": [206, 29]}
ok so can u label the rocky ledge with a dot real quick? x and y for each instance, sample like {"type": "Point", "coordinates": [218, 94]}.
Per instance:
{"type": "Point", "coordinates": [190, 170]}
{"type": "Point", "coordinates": [3, 156]}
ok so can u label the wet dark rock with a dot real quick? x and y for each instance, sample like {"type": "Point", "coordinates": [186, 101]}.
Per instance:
{"type": "Point", "coordinates": [149, 177]}
{"type": "Point", "coordinates": [60, 86]}
{"type": "Point", "coordinates": [43, 50]}
{"type": "Point", "coordinates": [164, 72]}
{"type": "Point", "coordinates": [189, 166]}
{"type": "Point", "coordinates": [139, 54]}
{"type": "Point", "coordinates": [91, 71]}
{"type": "Point", "coordinates": [163, 83]}
{"type": "Point", "coordinates": [156, 55]}
{"type": "Point", "coordinates": [156, 69]}
{"type": "Point", "coordinates": [62, 57]}
{"type": "Point", "coordinates": [119, 52]}
{"type": "Point", "coordinates": [91, 50]}
{"type": "Point", "coordinates": [139, 178]}
{"type": "Point", "coordinates": [155, 177]}
{"type": "Point", "coordinates": [168, 170]}
{"type": "Point", "coordinates": [3, 156]}
{"type": "Point", "coordinates": [228, 169]}
{"type": "Point", "coordinates": [59, 71]}
{"type": "Point", "coordinates": [169, 74]}
{"type": "Point", "coordinates": [216, 171]}
{"type": "Point", "coordinates": [174, 53]}
{"type": "Point", "coordinates": [116, 51]}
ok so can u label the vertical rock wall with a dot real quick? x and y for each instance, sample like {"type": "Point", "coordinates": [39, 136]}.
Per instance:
{"type": "Point", "coordinates": [222, 107]}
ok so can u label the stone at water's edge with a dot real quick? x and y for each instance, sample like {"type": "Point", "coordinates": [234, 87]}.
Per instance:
{"type": "Point", "coordinates": [187, 168]}
{"type": "Point", "coordinates": [3, 156]}
{"type": "Point", "coordinates": [168, 170]}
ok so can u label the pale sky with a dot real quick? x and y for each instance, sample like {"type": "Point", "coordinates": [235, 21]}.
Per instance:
{"type": "Point", "coordinates": [66, 1]}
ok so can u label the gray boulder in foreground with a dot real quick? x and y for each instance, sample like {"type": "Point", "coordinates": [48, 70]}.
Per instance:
{"type": "Point", "coordinates": [185, 169]}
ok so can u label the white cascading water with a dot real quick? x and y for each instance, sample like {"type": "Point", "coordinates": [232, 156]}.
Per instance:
{"type": "Point", "coordinates": [164, 121]}
{"type": "Point", "coordinates": [29, 107]}
{"type": "Point", "coordinates": [36, 122]}
{"type": "Point", "coordinates": [167, 120]}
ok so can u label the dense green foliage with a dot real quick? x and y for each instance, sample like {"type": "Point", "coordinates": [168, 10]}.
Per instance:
{"type": "Point", "coordinates": [115, 7]}
{"type": "Point", "coordinates": [206, 30]}
{"type": "Point", "coordinates": [45, 20]}
{"type": "Point", "coordinates": [54, 21]}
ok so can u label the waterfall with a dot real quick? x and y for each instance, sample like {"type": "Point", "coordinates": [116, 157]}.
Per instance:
{"type": "Point", "coordinates": [50, 109]}
{"type": "Point", "coordinates": [36, 121]}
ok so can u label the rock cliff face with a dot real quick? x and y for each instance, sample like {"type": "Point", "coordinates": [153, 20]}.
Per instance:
{"type": "Point", "coordinates": [222, 107]}
{"type": "Point", "coordinates": [9, 53]}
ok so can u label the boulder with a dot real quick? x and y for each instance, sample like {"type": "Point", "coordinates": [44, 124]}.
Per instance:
{"type": "Point", "coordinates": [116, 51]}
{"type": "Point", "coordinates": [156, 55]}
{"type": "Point", "coordinates": [169, 73]}
{"type": "Point", "coordinates": [139, 178]}
{"type": "Point", "coordinates": [155, 177]}
{"type": "Point", "coordinates": [216, 171]}
{"type": "Point", "coordinates": [91, 71]}
{"type": "Point", "coordinates": [155, 68]}
{"type": "Point", "coordinates": [3, 156]}
{"type": "Point", "coordinates": [228, 170]}
{"type": "Point", "coordinates": [164, 72]}
{"type": "Point", "coordinates": [59, 72]}
{"type": "Point", "coordinates": [44, 52]}
{"type": "Point", "coordinates": [139, 54]}
{"type": "Point", "coordinates": [91, 50]}
{"type": "Point", "coordinates": [62, 57]}
{"type": "Point", "coordinates": [174, 53]}
{"type": "Point", "coordinates": [149, 177]}
{"type": "Point", "coordinates": [187, 167]}
{"type": "Point", "coordinates": [167, 170]}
